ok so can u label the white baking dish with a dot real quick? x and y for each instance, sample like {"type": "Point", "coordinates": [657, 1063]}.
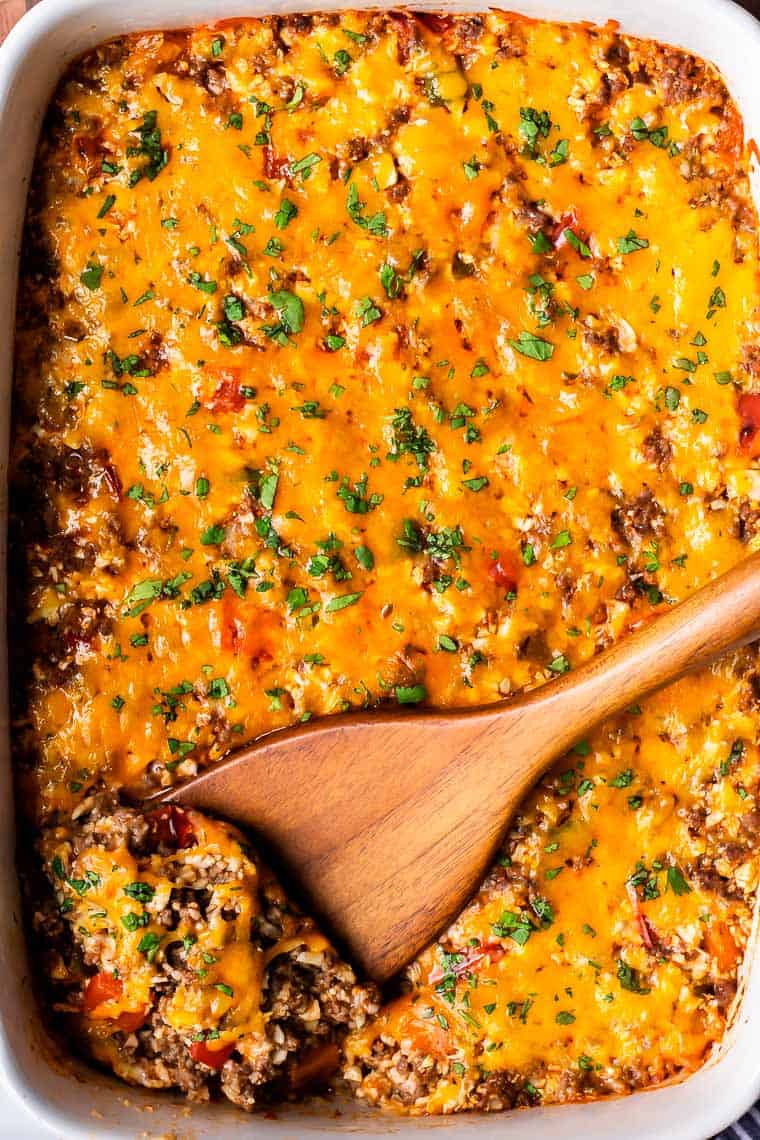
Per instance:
{"type": "Point", "coordinates": [77, 1102]}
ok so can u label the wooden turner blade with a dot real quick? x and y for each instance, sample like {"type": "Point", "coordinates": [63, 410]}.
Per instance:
{"type": "Point", "coordinates": [389, 819]}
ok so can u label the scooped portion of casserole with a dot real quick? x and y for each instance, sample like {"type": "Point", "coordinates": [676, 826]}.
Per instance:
{"type": "Point", "coordinates": [377, 357]}
{"type": "Point", "coordinates": [178, 961]}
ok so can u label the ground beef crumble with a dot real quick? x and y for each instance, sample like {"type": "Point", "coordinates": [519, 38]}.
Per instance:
{"type": "Point", "coordinates": [193, 903]}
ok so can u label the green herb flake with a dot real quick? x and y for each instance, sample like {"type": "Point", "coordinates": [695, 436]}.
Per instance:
{"type": "Point", "coordinates": [476, 484]}
{"type": "Point", "coordinates": [632, 242]}
{"type": "Point", "coordinates": [141, 892]}
{"type": "Point", "coordinates": [410, 694]}
{"type": "Point", "coordinates": [580, 246]}
{"type": "Point", "coordinates": [342, 602]}
{"type": "Point", "coordinates": [148, 945]}
{"type": "Point", "coordinates": [530, 345]}
{"type": "Point", "coordinates": [108, 202]}
{"type": "Point", "coordinates": [672, 398]}
{"type": "Point", "coordinates": [342, 62]}
{"type": "Point", "coordinates": [304, 166]}
{"type": "Point", "coordinates": [365, 557]}
{"type": "Point", "coordinates": [285, 214]}
{"type": "Point", "coordinates": [629, 979]}
{"type": "Point", "coordinates": [676, 882]}
{"type": "Point", "coordinates": [92, 276]}
{"type": "Point", "coordinates": [213, 536]}
{"type": "Point", "coordinates": [290, 310]}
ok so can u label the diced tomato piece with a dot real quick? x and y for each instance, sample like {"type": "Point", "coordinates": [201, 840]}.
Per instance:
{"type": "Point", "coordinates": [227, 395]}
{"type": "Point", "coordinates": [214, 1058]}
{"type": "Point", "coordinates": [435, 21]}
{"type": "Point", "coordinates": [247, 632]}
{"type": "Point", "coordinates": [427, 1036]}
{"type": "Point", "coordinates": [473, 959]}
{"type": "Point", "coordinates": [112, 480]}
{"type": "Point", "coordinates": [646, 930]}
{"type": "Point", "coordinates": [172, 826]}
{"type": "Point", "coordinates": [274, 165]}
{"type": "Point", "coordinates": [719, 942]}
{"type": "Point", "coordinates": [233, 630]}
{"type": "Point", "coordinates": [104, 987]}
{"type": "Point", "coordinates": [748, 406]}
{"type": "Point", "coordinates": [131, 1020]}
{"type": "Point", "coordinates": [89, 153]}
{"type": "Point", "coordinates": [567, 221]}
{"type": "Point", "coordinates": [233, 634]}
{"type": "Point", "coordinates": [407, 34]}
{"type": "Point", "coordinates": [101, 988]}
{"type": "Point", "coordinates": [75, 641]}
{"type": "Point", "coordinates": [502, 571]}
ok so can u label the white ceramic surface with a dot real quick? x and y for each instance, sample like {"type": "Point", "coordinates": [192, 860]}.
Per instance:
{"type": "Point", "coordinates": [91, 1105]}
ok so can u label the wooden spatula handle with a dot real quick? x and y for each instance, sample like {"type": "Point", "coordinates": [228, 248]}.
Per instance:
{"type": "Point", "coordinates": [723, 615]}
{"type": "Point", "coordinates": [391, 818]}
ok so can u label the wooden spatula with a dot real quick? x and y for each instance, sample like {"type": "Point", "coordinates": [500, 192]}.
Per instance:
{"type": "Point", "coordinates": [389, 819]}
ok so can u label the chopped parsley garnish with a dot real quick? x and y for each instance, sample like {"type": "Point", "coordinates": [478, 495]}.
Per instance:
{"type": "Point", "coordinates": [202, 283]}
{"type": "Point", "coordinates": [365, 557]}
{"type": "Point", "coordinates": [92, 275]}
{"type": "Point", "coordinates": [534, 125]}
{"type": "Point", "coordinates": [368, 311]}
{"type": "Point", "coordinates": [141, 892]}
{"type": "Point", "coordinates": [151, 590]}
{"type": "Point", "coordinates": [410, 694]}
{"type": "Point", "coordinates": [672, 398]}
{"type": "Point", "coordinates": [632, 242]}
{"type": "Point", "coordinates": [108, 202]}
{"type": "Point", "coordinates": [630, 980]}
{"type": "Point", "coordinates": [518, 927]}
{"type": "Point", "coordinates": [528, 344]}
{"type": "Point", "coordinates": [305, 165]}
{"type": "Point", "coordinates": [657, 136]}
{"type": "Point", "coordinates": [212, 536]}
{"type": "Point", "coordinates": [342, 61]}
{"type": "Point", "coordinates": [736, 754]}
{"type": "Point", "coordinates": [148, 945]}
{"type": "Point", "coordinates": [233, 307]}
{"type": "Point", "coordinates": [577, 243]}
{"type": "Point", "coordinates": [676, 882]}
{"type": "Point", "coordinates": [291, 313]}
{"type": "Point", "coordinates": [285, 214]}
{"type": "Point", "coordinates": [390, 280]}
{"type": "Point", "coordinates": [342, 602]}
{"type": "Point", "coordinates": [149, 147]}
{"type": "Point", "coordinates": [376, 224]}
{"type": "Point", "coordinates": [409, 438]}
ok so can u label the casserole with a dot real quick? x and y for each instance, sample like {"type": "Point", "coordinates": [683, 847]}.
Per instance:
{"type": "Point", "coordinates": [164, 19]}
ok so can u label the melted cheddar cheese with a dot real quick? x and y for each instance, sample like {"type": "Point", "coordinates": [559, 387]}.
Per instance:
{"type": "Point", "coordinates": [185, 963]}
{"type": "Point", "coordinates": [128, 900]}
{"type": "Point", "coordinates": [373, 357]}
